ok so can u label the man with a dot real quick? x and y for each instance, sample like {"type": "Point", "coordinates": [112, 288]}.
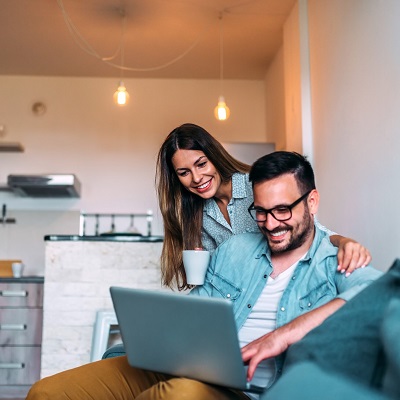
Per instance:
{"type": "Point", "coordinates": [283, 282]}
{"type": "Point", "coordinates": [293, 279]}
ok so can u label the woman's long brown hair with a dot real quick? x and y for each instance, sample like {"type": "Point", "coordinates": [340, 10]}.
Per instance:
{"type": "Point", "coordinates": [182, 211]}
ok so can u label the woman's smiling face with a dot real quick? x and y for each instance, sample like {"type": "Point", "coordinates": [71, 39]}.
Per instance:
{"type": "Point", "coordinates": [196, 173]}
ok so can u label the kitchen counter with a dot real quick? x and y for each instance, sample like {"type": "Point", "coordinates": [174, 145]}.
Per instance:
{"type": "Point", "coordinates": [79, 271]}
{"type": "Point", "coordinates": [104, 238]}
{"type": "Point", "coordinates": [24, 279]}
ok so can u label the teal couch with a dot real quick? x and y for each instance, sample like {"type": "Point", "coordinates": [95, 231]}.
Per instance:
{"type": "Point", "coordinates": [353, 355]}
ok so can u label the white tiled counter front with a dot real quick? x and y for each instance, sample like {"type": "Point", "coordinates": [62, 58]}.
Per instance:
{"type": "Point", "coordinates": [78, 275]}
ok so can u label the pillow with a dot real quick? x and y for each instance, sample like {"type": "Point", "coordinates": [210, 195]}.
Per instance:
{"type": "Point", "coordinates": [349, 341]}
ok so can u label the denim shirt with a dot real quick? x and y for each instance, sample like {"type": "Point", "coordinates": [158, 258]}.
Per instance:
{"type": "Point", "coordinates": [240, 267]}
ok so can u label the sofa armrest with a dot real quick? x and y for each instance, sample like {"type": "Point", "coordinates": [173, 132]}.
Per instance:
{"type": "Point", "coordinates": [307, 381]}
{"type": "Point", "coordinates": [114, 351]}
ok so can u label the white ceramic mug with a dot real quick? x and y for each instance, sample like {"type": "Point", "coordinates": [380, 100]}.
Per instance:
{"type": "Point", "coordinates": [17, 269]}
{"type": "Point", "coordinates": [195, 263]}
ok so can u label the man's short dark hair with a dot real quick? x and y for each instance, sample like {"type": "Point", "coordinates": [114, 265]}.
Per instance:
{"type": "Point", "coordinates": [280, 163]}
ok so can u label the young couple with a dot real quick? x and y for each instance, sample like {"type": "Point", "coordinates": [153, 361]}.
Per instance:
{"type": "Point", "coordinates": [270, 259]}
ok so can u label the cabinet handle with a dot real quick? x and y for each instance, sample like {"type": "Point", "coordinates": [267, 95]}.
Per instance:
{"type": "Point", "coordinates": [13, 293]}
{"type": "Point", "coordinates": [12, 365]}
{"type": "Point", "coordinates": [12, 327]}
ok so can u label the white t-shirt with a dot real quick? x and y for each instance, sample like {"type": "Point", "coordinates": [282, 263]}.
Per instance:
{"type": "Point", "coordinates": [262, 320]}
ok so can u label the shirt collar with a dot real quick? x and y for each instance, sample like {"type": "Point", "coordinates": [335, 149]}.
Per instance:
{"type": "Point", "coordinates": [240, 190]}
{"type": "Point", "coordinates": [240, 185]}
{"type": "Point", "coordinates": [321, 247]}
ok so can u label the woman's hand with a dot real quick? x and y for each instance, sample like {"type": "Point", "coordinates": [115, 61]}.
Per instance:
{"type": "Point", "coordinates": [351, 254]}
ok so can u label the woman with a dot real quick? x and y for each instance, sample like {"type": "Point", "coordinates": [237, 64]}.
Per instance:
{"type": "Point", "coordinates": [204, 194]}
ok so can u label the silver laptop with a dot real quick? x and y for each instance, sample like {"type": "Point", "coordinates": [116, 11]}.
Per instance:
{"type": "Point", "coordinates": [181, 335]}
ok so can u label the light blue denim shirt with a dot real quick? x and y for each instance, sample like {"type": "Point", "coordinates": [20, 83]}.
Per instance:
{"type": "Point", "coordinates": [216, 229]}
{"type": "Point", "coordinates": [240, 267]}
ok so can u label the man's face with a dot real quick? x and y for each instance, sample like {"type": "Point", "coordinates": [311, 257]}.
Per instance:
{"type": "Point", "coordinates": [299, 229]}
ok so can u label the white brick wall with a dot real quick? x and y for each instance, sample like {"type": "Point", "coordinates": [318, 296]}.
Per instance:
{"type": "Point", "coordinates": [77, 280]}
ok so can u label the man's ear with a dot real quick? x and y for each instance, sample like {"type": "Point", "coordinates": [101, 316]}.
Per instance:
{"type": "Point", "coordinates": [313, 201]}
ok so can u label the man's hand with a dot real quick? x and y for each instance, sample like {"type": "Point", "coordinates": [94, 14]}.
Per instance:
{"type": "Point", "coordinates": [351, 254]}
{"type": "Point", "coordinates": [270, 345]}
{"type": "Point", "coordinates": [276, 342]}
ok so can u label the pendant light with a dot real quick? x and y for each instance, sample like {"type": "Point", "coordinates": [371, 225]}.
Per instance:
{"type": "Point", "coordinates": [121, 96]}
{"type": "Point", "coordinates": [221, 111]}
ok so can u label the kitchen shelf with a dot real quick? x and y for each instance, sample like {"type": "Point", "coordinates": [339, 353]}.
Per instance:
{"type": "Point", "coordinates": [98, 220]}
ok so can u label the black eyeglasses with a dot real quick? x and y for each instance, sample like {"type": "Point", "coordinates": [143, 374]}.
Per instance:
{"type": "Point", "coordinates": [280, 213]}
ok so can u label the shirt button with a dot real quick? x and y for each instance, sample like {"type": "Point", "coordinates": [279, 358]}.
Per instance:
{"type": "Point", "coordinates": [248, 305]}
{"type": "Point", "coordinates": [265, 276]}
{"type": "Point", "coordinates": [293, 277]}
{"type": "Point", "coordinates": [228, 295]}
{"type": "Point", "coordinates": [282, 308]}
{"type": "Point", "coordinates": [309, 305]}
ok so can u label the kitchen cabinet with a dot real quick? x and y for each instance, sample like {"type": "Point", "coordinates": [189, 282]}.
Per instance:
{"type": "Point", "coordinates": [21, 316]}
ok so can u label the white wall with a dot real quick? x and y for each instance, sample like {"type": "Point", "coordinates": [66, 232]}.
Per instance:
{"type": "Point", "coordinates": [292, 76]}
{"type": "Point", "coordinates": [113, 150]}
{"type": "Point", "coordinates": [275, 102]}
{"type": "Point", "coordinates": [23, 240]}
{"type": "Point", "coordinates": [355, 77]}
{"type": "Point", "coordinates": [248, 152]}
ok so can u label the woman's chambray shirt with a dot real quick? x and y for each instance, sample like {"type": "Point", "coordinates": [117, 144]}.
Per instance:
{"type": "Point", "coordinates": [216, 229]}
{"type": "Point", "coordinates": [240, 267]}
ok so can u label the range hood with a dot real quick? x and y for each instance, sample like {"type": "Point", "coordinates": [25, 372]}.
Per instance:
{"type": "Point", "coordinates": [46, 186]}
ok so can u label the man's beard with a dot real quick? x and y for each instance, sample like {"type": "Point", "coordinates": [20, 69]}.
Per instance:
{"type": "Point", "coordinates": [299, 234]}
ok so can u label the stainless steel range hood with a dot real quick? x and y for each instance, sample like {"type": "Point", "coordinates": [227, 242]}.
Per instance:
{"type": "Point", "coordinates": [46, 186]}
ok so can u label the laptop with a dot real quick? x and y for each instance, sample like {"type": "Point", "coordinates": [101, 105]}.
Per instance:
{"type": "Point", "coordinates": [180, 335]}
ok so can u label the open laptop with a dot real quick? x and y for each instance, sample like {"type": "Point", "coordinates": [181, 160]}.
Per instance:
{"type": "Point", "coordinates": [181, 335]}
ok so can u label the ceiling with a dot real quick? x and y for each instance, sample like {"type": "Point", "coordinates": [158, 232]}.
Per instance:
{"type": "Point", "coordinates": [35, 38]}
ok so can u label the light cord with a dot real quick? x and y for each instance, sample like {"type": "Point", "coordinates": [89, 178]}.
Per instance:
{"type": "Point", "coordinates": [82, 42]}
{"type": "Point", "coordinates": [221, 51]}
{"type": "Point", "coordinates": [87, 48]}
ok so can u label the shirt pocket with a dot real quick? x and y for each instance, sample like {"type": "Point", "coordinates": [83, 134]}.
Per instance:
{"type": "Point", "coordinates": [316, 297]}
{"type": "Point", "coordinates": [225, 287]}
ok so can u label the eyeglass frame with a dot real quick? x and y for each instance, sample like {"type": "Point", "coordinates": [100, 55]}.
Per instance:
{"type": "Point", "coordinates": [270, 211]}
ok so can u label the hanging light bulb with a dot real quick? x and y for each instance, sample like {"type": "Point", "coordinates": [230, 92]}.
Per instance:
{"type": "Point", "coordinates": [222, 111]}
{"type": "Point", "coordinates": [121, 96]}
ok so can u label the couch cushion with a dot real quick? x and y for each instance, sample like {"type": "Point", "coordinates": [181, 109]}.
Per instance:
{"type": "Point", "coordinates": [391, 344]}
{"type": "Point", "coordinates": [349, 342]}
{"type": "Point", "coordinates": [306, 381]}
